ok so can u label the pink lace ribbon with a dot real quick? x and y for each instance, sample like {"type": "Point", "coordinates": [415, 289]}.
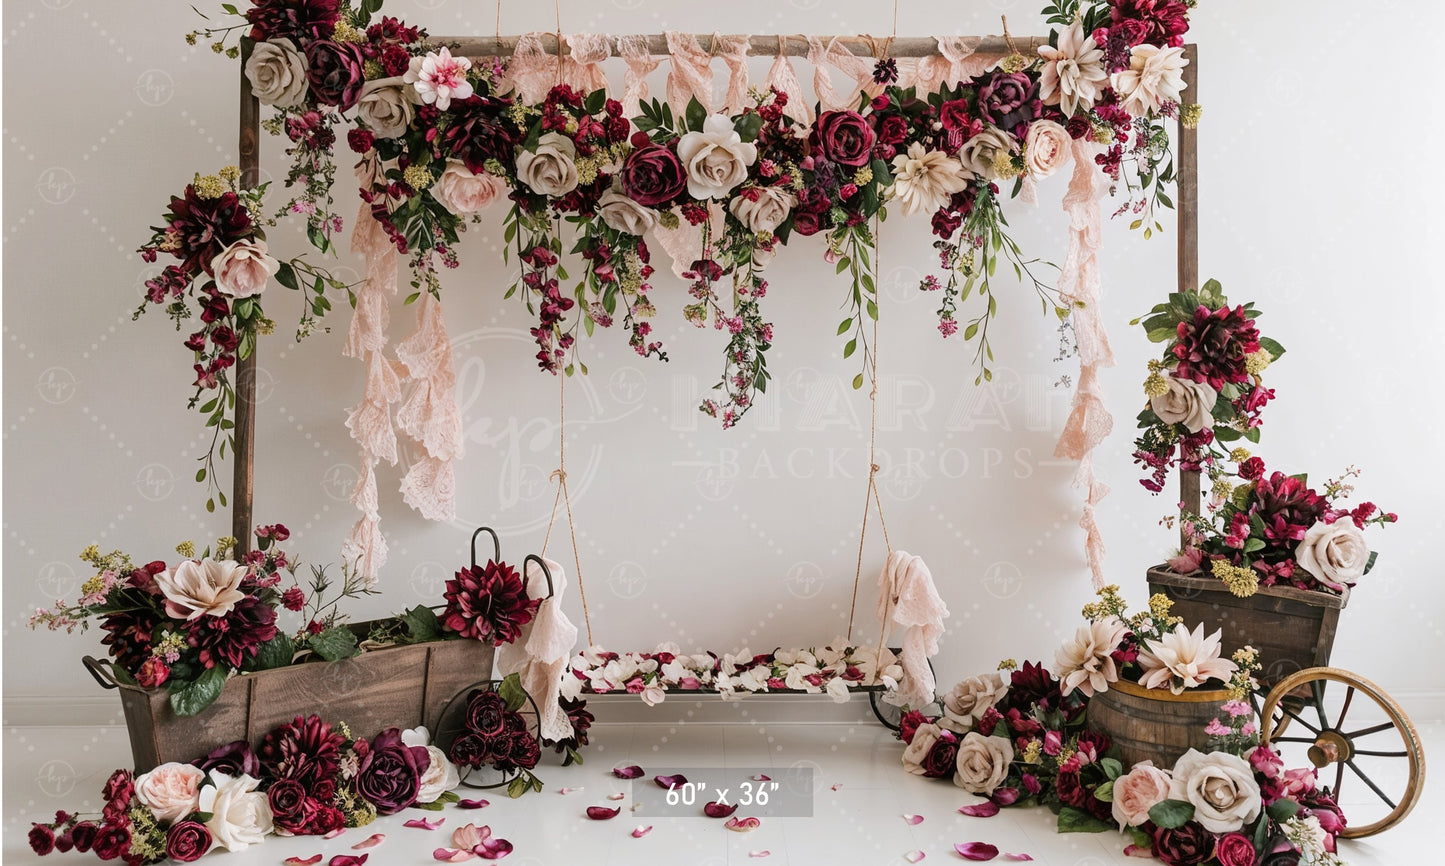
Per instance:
{"type": "Point", "coordinates": [690, 74]}
{"type": "Point", "coordinates": [582, 70]}
{"type": "Point", "coordinates": [684, 243]}
{"type": "Point", "coordinates": [954, 62]}
{"type": "Point", "coordinates": [1080, 288]}
{"type": "Point", "coordinates": [783, 77]}
{"type": "Point", "coordinates": [640, 64]}
{"type": "Point", "coordinates": [734, 53]}
{"type": "Point", "coordinates": [430, 415]}
{"type": "Point", "coordinates": [531, 72]}
{"type": "Point", "coordinates": [859, 69]}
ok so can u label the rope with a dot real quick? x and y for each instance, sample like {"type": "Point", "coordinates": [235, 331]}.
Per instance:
{"type": "Point", "coordinates": [564, 495]}
{"type": "Point", "coordinates": [557, 7]}
{"type": "Point", "coordinates": [499, 27]}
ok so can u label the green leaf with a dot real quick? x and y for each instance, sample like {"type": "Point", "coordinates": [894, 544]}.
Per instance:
{"type": "Point", "coordinates": [970, 331]}
{"type": "Point", "coordinates": [194, 697]}
{"type": "Point", "coordinates": [1105, 792]}
{"type": "Point", "coordinates": [200, 475]}
{"type": "Point", "coordinates": [696, 115]}
{"type": "Point", "coordinates": [595, 101]}
{"type": "Point", "coordinates": [1283, 809]}
{"type": "Point", "coordinates": [274, 653]}
{"type": "Point", "coordinates": [421, 624]}
{"type": "Point", "coordinates": [842, 266]}
{"type": "Point", "coordinates": [858, 382]}
{"type": "Point", "coordinates": [1072, 820]}
{"type": "Point", "coordinates": [1113, 768]}
{"type": "Point", "coordinates": [1275, 349]}
{"type": "Point", "coordinates": [850, 348]}
{"type": "Point", "coordinates": [844, 326]}
{"type": "Point", "coordinates": [334, 644]}
{"type": "Point", "coordinates": [518, 786]}
{"type": "Point", "coordinates": [512, 692]}
{"type": "Point", "coordinates": [1159, 335]}
{"type": "Point", "coordinates": [1253, 544]}
{"type": "Point", "coordinates": [286, 275]}
{"type": "Point", "coordinates": [317, 238]}
{"type": "Point", "coordinates": [1370, 563]}
{"type": "Point", "coordinates": [1171, 814]}
{"type": "Point", "coordinates": [748, 125]}
{"type": "Point", "coordinates": [434, 806]}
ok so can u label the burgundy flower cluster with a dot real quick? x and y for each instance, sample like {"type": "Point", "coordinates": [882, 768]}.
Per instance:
{"type": "Point", "coordinates": [581, 720]}
{"type": "Point", "coordinates": [496, 736]}
{"type": "Point", "coordinates": [488, 603]}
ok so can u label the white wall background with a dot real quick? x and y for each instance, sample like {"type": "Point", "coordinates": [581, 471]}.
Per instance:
{"type": "Point", "coordinates": [1319, 179]}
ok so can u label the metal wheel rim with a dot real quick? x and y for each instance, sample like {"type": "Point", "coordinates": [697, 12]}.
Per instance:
{"type": "Point", "coordinates": [444, 734]}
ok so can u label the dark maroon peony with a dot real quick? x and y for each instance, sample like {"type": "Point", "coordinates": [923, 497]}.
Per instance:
{"type": "Point", "coordinates": [235, 638]}
{"type": "Point", "coordinates": [42, 839]}
{"type": "Point", "coordinates": [1288, 508]}
{"type": "Point", "coordinates": [843, 137]}
{"type": "Point", "coordinates": [1188, 845]}
{"type": "Point", "coordinates": [112, 841]}
{"type": "Point", "coordinates": [469, 750]}
{"type": "Point", "coordinates": [486, 713]}
{"type": "Point", "coordinates": [1235, 849]}
{"type": "Point", "coordinates": [908, 725]}
{"type": "Point", "coordinates": [333, 69]}
{"type": "Point", "coordinates": [119, 788]}
{"type": "Point", "coordinates": [652, 175]}
{"type": "Point", "coordinates": [391, 772]}
{"type": "Point", "coordinates": [1161, 22]}
{"type": "Point", "coordinates": [233, 759]}
{"type": "Point", "coordinates": [187, 841]}
{"type": "Point", "coordinates": [1070, 789]}
{"type": "Point", "coordinates": [305, 750]}
{"type": "Point", "coordinates": [293, 19]}
{"type": "Point", "coordinates": [1010, 101]}
{"type": "Point", "coordinates": [525, 751]}
{"type": "Point", "coordinates": [205, 227]}
{"type": "Point", "coordinates": [289, 801]}
{"type": "Point", "coordinates": [129, 636]}
{"type": "Point", "coordinates": [488, 603]}
{"type": "Point", "coordinates": [82, 836]}
{"type": "Point", "coordinates": [479, 131]}
{"type": "Point", "coordinates": [1213, 345]}
{"type": "Point", "coordinates": [942, 759]}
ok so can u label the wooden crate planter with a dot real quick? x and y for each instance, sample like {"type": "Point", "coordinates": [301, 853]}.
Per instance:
{"type": "Point", "coordinates": [1154, 724]}
{"type": "Point", "coordinates": [1292, 628]}
{"type": "Point", "coordinates": [401, 686]}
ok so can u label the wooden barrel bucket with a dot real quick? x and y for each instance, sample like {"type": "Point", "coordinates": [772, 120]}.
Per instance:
{"type": "Point", "coordinates": [1154, 724]}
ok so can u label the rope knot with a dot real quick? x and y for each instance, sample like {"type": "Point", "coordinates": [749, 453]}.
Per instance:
{"type": "Point", "coordinates": [558, 475]}
{"type": "Point", "coordinates": [874, 469]}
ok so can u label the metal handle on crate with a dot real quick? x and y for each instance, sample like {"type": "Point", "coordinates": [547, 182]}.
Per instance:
{"type": "Point", "coordinates": [100, 672]}
{"type": "Point", "coordinates": [496, 544]}
{"type": "Point", "coordinates": [546, 572]}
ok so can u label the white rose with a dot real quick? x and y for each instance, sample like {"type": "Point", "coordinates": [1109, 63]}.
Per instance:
{"type": "Point", "coordinates": [1186, 402]}
{"type": "Point", "coordinates": [1335, 553]}
{"type": "Point", "coordinates": [716, 158]}
{"type": "Point", "coordinates": [978, 152]}
{"type": "Point", "coordinates": [552, 168]}
{"type": "Point", "coordinates": [277, 72]}
{"type": "Point", "coordinates": [385, 106]}
{"type": "Point", "coordinates": [982, 763]}
{"type": "Point", "coordinates": [966, 702]}
{"type": "Point", "coordinates": [764, 215]}
{"type": "Point", "coordinates": [243, 269]}
{"type": "Point", "coordinates": [923, 739]}
{"type": "Point", "coordinates": [440, 774]}
{"type": "Point", "coordinates": [1046, 149]}
{"type": "Point", "coordinates": [1221, 787]}
{"type": "Point", "coordinates": [171, 791]}
{"type": "Point", "coordinates": [623, 214]}
{"type": "Point", "coordinates": [462, 192]}
{"type": "Point", "coordinates": [240, 815]}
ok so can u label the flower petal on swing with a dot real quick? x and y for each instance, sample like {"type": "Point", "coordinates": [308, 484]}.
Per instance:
{"type": "Point", "coordinates": [977, 851]}
{"type": "Point", "coordinates": [473, 804]}
{"type": "Point", "coordinates": [743, 825]}
{"type": "Point", "coordinates": [602, 813]}
{"type": "Point", "coordinates": [424, 824]}
{"type": "Point", "coordinates": [986, 809]}
{"type": "Point", "coordinates": [913, 820]}
{"type": "Point", "coordinates": [451, 855]}
{"type": "Point", "coordinates": [642, 830]}
{"type": "Point", "coordinates": [914, 856]}
{"type": "Point", "coordinates": [369, 842]}
{"type": "Point", "coordinates": [676, 781]}
{"type": "Point", "coordinates": [632, 772]}
{"type": "Point", "coordinates": [715, 809]}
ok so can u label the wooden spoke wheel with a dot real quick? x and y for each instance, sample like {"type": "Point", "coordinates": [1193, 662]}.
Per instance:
{"type": "Point", "coordinates": [453, 725]}
{"type": "Point", "coordinates": [1356, 736]}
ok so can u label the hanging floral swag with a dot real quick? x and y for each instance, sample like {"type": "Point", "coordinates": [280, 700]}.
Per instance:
{"type": "Point", "coordinates": [440, 138]}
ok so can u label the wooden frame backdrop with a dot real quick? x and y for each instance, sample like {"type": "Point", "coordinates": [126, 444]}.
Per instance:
{"type": "Point", "coordinates": [1186, 202]}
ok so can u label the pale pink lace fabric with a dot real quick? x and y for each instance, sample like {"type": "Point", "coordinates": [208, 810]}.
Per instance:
{"type": "Point", "coordinates": [690, 72]}
{"type": "Point", "coordinates": [684, 243]}
{"type": "Point", "coordinates": [531, 72]}
{"type": "Point", "coordinates": [539, 656]}
{"type": "Point", "coordinates": [908, 598]}
{"type": "Point", "coordinates": [784, 77]}
{"type": "Point", "coordinates": [430, 415]}
{"type": "Point", "coordinates": [582, 69]}
{"type": "Point", "coordinates": [859, 69]}
{"type": "Point", "coordinates": [954, 62]}
{"type": "Point", "coordinates": [1079, 282]}
{"type": "Point", "coordinates": [640, 64]}
{"type": "Point", "coordinates": [734, 53]}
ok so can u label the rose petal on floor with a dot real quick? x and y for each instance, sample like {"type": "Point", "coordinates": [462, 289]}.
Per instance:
{"type": "Point", "coordinates": [632, 772]}
{"type": "Point", "coordinates": [424, 824]}
{"type": "Point", "coordinates": [1017, 857]}
{"type": "Point", "coordinates": [1136, 851]}
{"type": "Point", "coordinates": [347, 860]}
{"type": "Point", "coordinates": [913, 820]}
{"type": "Point", "coordinates": [334, 833]}
{"type": "Point", "coordinates": [762, 777]}
{"type": "Point", "coordinates": [676, 781]}
{"type": "Point", "coordinates": [492, 849]}
{"type": "Point", "coordinates": [618, 796]}
{"type": "Point", "coordinates": [473, 804]}
{"type": "Point", "coordinates": [569, 790]}
{"type": "Point", "coordinates": [837, 786]}
{"type": "Point", "coordinates": [760, 854]}
{"type": "Point", "coordinates": [978, 851]}
{"type": "Point", "coordinates": [715, 809]}
{"type": "Point", "coordinates": [914, 856]}
{"type": "Point", "coordinates": [642, 830]}
{"type": "Point", "coordinates": [451, 855]}
{"type": "Point", "coordinates": [602, 813]}
{"type": "Point", "coordinates": [369, 842]}
{"type": "Point", "coordinates": [743, 825]}
{"type": "Point", "coordinates": [302, 861]}
{"type": "Point", "coordinates": [986, 809]}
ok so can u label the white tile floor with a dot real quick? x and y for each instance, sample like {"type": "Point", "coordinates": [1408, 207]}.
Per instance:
{"type": "Point", "coordinates": [861, 795]}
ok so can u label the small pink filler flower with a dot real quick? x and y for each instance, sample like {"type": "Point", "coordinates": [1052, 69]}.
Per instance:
{"type": "Point", "coordinates": [439, 78]}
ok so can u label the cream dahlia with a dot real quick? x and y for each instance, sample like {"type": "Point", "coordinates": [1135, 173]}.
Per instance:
{"type": "Point", "coordinates": [1183, 659]}
{"type": "Point", "coordinates": [1073, 73]}
{"type": "Point", "coordinates": [1155, 76]}
{"type": "Point", "coordinates": [924, 180]}
{"type": "Point", "coordinates": [206, 587]}
{"type": "Point", "coordinates": [1085, 661]}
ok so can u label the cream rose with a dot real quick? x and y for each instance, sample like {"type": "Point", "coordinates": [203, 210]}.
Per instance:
{"type": "Point", "coordinates": [1335, 553]}
{"type": "Point", "coordinates": [923, 739]}
{"type": "Point", "coordinates": [240, 815]}
{"type": "Point", "coordinates": [172, 791]}
{"type": "Point", "coordinates": [277, 72]}
{"type": "Point", "coordinates": [1046, 149]}
{"type": "Point", "coordinates": [966, 702]}
{"type": "Point", "coordinates": [464, 193]}
{"type": "Point", "coordinates": [205, 587]}
{"type": "Point", "coordinates": [386, 106]}
{"type": "Point", "coordinates": [716, 158]}
{"type": "Point", "coordinates": [1186, 402]}
{"type": "Point", "coordinates": [242, 269]}
{"type": "Point", "coordinates": [1138, 791]}
{"type": "Point", "coordinates": [552, 168]}
{"type": "Point", "coordinates": [764, 215]}
{"type": "Point", "coordinates": [978, 152]}
{"type": "Point", "coordinates": [622, 213]}
{"type": "Point", "coordinates": [1221, 787]}
{"type": "Point", "coordinates": [439, 777]}
{"type": "Point", "coordinates": [982, 763]}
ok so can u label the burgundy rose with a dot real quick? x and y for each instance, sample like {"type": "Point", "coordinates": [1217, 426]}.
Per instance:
{"type": "Point", "coordinates": [235, 638]}
{"type": "Point", "coordinates": [1010, 101]}
{"type": "Point", "coordinates": [513, 723]}
{"type": "Point", "coordinates": [488, 603]}
{"type": "Point", "coordinates": [843, 137]}
{"type": "Point", "coordinates": [942, 759]}
{"type": "Point", "coordinates": [469, 750]}
{"type": "Point", "coordinates": [525, 751]}
{"type": "Point", "coordinates": [1188, 845]}
{"type": "Point", "coordinates": [333, 69]}
{"type": "Point", "coordinates": [42, 839]}
{"type": "Point", "coordinates": [954, 114]}
{"type": "Point", "coordinates": [233, 759]}
{"type": "Point", "coordinates": [892, 129]}
{"type": "Point", "coordinates": [288, 801]}
{"type": "Point", "coordinates": [119, 788]}
{"type": "Point", "coordinates": [83, 835]}
{"type": "Point", "coordinates": [1071, 790]}
{"type": "Point", "coordinates": [187, 841]}
{"type": "Point", "coordinates": [112, 841]}
{"type": "Point", "coordinates": [652, 175]}
{"type": "Point", "coordinates": [390, 773]}
{"type": "Point", "coordinates": [807, 222]}
{"type": "Point", "coordinates": [908, 725]}
{"type": "Point", "coordinates": [153, 673]}
{"type": "Point", "coordinates": [485, 713]}
{"type": "Point", "coordinates": [1079, 126]}
{"type": "Point", "coordinates": [1234, 849]}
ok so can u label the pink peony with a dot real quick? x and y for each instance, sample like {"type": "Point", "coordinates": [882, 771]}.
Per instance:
{"type": "Point", "coordinates": [1138, 791]}
{"type": "Point", "coordinates": [243, 268]}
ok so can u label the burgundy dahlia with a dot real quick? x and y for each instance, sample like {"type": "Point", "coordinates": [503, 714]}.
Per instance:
{"type": "Point", "coordinates": [581, 719]}
{"type": "Point", "coordinates": [479, 131]}
{"type": "Point", "coordinates": [1010, 101]}
{"type": "Point", "coordinates": [205, 227]}
{"type": "Point", "coordinates": [235, 638]}
{"type": "Point", "coordinates": [306, 750]}
{"type": "Point", "coordinates": [333, 69]}
{"type": "Point", "coordinates": [129, 636]}
{"type": "Point", "coordinates": [1288, 508]}
{"type": "Point", "coordinates": [488, 603]}
{"type": "Point", "coordinates": [1164, 21]}
{"type": "Point", "coordinates": [1213, 345]}
{"type": "Point", "coordinates": [1029, 685]}
{"type": "Point", "coordinates": [293, 19]}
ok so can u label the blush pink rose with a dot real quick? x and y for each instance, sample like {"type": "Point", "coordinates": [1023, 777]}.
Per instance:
{"type": "Point", "coordinates": [463, 192]}
{"type": "Point", "coordinates": [243, 269]}
{"type": "Point", "coordinates": [1046, 148]}
{"type": "Point", "coordinates": [1138, 791]}
{"type": "Point", "coordinates": [172, 791]}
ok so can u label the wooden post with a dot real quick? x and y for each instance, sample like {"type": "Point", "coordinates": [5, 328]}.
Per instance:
{"type": "Point", "coordinates": [1187, 200]}
{"type": "Point", "coordinates": [244, 431]}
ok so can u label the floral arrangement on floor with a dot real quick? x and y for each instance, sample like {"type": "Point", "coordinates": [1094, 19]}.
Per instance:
{"type": "Point", "coordinates": [308, 777]}
{"type": "Point", "coordinates": [216, 229]}
{"type": "Point", "coordinates": [1272, 529]}
{"type": "Point", "coordinates": [835, 669]}
{"type": "Point", "coordinates": [1208, 388]}
{"type": "Point", "coordinates": [495, 735]}
{"type": "Point", "coordinates": [441, 137]}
